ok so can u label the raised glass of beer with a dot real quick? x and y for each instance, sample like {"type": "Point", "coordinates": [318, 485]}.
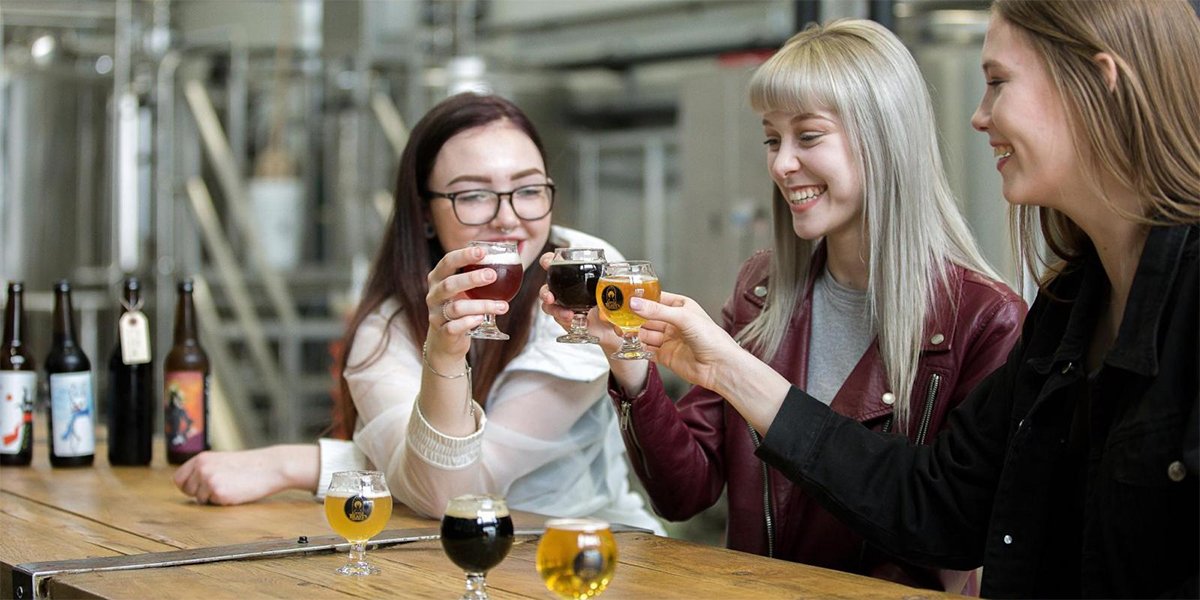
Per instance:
{"type": "Point", "coordinates": [501, 257]}
{"type": "Point", "coordinates": [576, 557]}
{"type": "Point", "coordinates": [572, 279]}
{"type": "Point", "coordinates": [620, 281]}
{"type": "Point", "coordinates": [477, 533]}
{"type": "Point", "coordinates": [357, 506]}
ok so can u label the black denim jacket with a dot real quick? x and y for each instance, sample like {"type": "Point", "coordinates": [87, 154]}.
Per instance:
{"type": "Point", "coordinates": [1059, 482]}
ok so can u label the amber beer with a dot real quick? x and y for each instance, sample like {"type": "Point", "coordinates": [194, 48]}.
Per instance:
{"type": "Point", "coordinates": [506, 285]}
{"type": "Point", "coordinates": [358, 517]}
{"type": "Point", "coordinates": [185, 384]}
{"type": "Point", "coordinates": [613, 294]}
{"type": "Point", "coordinates": [577, 557]}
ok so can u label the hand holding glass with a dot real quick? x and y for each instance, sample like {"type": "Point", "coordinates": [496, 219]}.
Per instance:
{"type": "Point", "coordinates": [577, 557]}
{"type": "Point", "coordinates": [501, 257]}
{"type": "Point", "coordinates": [358, 506]}
{"type": "Point", "coordinates": [620, 281]}
{"type": "Point", "coordinates": [477, 533]}
{"type": "Point", "coordinates": [572, 279]}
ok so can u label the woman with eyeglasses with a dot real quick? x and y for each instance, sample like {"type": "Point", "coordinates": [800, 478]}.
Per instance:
{"type": "Point", "coordinates": [442, 415]}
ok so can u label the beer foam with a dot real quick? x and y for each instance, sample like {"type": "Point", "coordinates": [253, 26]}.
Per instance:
{"type": "Point", "coordinates": [508, 258]}
{"type": "Point", "coordinates": [469, 507]}
{"type": "Point", "coordinates": [348, 494]}
{"type": "Point", "coordinates": [586, 525]}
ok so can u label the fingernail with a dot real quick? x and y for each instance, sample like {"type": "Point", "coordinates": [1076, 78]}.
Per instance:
{"type": "Point", "coordinates": [636, 303]}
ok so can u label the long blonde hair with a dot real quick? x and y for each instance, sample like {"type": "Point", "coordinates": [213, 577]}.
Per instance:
{"type": "Point", "coordinates": [911, 221]}
{"type": "Point", "coordinates": [1144, 131]}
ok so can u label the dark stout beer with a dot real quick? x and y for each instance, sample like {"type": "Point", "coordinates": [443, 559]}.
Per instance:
{"type": "Point", "coordinates": [72, 401]}
{"type": "Point", "coordinates": [477, 542]}
{"type": "Point", "coordinates": [574, 284]}
{"type": "Point", "coordinates": [131, 395]}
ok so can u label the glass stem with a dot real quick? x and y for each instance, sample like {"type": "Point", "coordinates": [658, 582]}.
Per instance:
{"type": "Point", "coordinates": [358, 552]}
{"type": "Point", "coordinates": [631, 341]}
{"type": "Point", "coordinates": [579, 322]}
{"type": "Point", "coordinates": [476, 586]}
{"type": "Point", "coordinates": [489, 321]}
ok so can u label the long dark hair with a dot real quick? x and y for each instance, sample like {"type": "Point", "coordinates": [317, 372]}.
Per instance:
{"type": "Point", "coordinates": [407, 254]}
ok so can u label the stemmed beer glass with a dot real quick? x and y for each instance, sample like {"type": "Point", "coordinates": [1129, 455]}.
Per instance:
{"type": "Point", "coordinates": [501, 257]}
{"type": "Point", "coordinates": [477, 533]}
{"type": "Point", "coordinates": [358, 506]}
{"type": "Point", "coordinates": [572, 279]}
{"type": "Point", "coordinates": [620, 281]}
{"type": "Point", "coordinates": [577, 557]}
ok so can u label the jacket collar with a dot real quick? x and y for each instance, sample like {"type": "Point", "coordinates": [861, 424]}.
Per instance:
{"type": "Point", "coordinates": [1136, 347]}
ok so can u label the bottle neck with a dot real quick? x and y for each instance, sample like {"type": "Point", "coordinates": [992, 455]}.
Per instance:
{"type": "Point", "coordinates": [14, 319]}
{"type": "Point", "coordinates": [64, 320]}
{"type": "Point", "coordinates": [185, 321]}
{"type": "Point", "coordinates": [131, 300]}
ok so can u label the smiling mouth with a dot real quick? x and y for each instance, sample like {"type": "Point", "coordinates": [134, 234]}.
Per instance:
{"type": "Point", "coordinates": [805, 195]}
{"type": "Point", "coordinates": [1002, 151]}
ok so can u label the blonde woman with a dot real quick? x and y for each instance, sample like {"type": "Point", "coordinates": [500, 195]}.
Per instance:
{"type": "Point", "coordinates": [875, 299]}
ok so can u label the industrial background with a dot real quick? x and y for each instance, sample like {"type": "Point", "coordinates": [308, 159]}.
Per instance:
{"type": "Point", "coordinates": [251, 144]}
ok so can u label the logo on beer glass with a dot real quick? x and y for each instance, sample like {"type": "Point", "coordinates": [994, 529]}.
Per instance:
{"type": "Point", "coordinates": [613, 298]}
{"type": "Point", "coordinates": [358, 508]}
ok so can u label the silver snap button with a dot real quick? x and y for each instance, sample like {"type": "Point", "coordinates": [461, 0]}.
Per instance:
{"type": "Point", "coordinates": [888, 398]}
{"type": "Point", "coordinates": [1176, 471]}
{"type": "Point", "coordinates": [760, 290]}
{"type": "Point", "coordinates": [1007, 539]}
{"type": "Point", "coordinates": [937, 338]}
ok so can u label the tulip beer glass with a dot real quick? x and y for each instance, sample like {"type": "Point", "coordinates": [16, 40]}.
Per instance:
{"type": "Point", "coordinates": [501, 257]}
{"type": "Point", "coordinates": [572, 279]}
{"type": "Point", "coordinates": [576, 557]}
{"type": "Point", "coordinates": [357, 506]}
{"type": "Point", "coordinates": [477, 533]}
{"type": "Point", "coordinates": [620, 281]}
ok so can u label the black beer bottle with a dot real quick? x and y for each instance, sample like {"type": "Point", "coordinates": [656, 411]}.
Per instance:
{"type": "Point", "coordinates": [72, 403]}
{"type": "Point", "coordinates": [18, 383]}
{"type": "Point", "coordinates": [185, 385]}
{"type": "Point", "coordinates": [131, 396]}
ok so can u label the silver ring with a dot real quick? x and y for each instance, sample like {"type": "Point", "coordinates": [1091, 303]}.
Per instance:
{"type": "Point", "coordinates": [444, 315]}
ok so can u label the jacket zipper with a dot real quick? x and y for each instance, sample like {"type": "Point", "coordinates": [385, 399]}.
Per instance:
{"type": "Point", "coordinates": [935, 382]}
{"type": "Point", "coordinates": [625, 422]}
{"type": "Point", "coordinates": [767, 512]}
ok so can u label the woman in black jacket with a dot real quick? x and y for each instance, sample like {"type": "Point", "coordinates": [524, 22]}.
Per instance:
{"type": "Point", "coordinates": [1074, 470]}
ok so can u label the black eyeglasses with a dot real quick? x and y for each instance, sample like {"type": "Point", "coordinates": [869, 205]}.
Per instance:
{"type": "Point", "coordinates": [479, 207]}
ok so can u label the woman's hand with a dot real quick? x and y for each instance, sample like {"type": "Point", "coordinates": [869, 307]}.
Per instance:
{"type": "Point", "coordinates": [248, 475]}
{"type": "Point", "coordinates": [451, 313]}
{"type": "Point", "coordinates": [685, 340]}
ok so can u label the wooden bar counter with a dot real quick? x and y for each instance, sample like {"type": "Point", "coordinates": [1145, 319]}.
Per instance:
{"type": "Point", "coordinates": [51, 514]}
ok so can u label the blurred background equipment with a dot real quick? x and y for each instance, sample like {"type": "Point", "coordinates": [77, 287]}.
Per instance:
{"type": "Point", "coordinates": [251, 146]}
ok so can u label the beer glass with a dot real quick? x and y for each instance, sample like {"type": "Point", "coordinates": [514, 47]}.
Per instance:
{"type": "Point", "coordinates": [576, 557]}
{"type": "Point", "coordinates": [572, 279]}
{"type": "Point", "coordinates": [501, 257]}
{"type": "Point", "coordinates": [477, 533]}
{"type": "Point", "coordinates": [357, 506]}
{"type": "Point", "coordinates": [620, 281]}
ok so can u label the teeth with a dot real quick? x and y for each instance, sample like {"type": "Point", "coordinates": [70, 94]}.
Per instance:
{"type": "Point", "coordinates": [1002, 151]}
{"type": "Point", "coordinates": [805, 195]}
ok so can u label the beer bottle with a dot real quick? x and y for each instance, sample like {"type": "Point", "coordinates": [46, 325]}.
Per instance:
{"type": "Point", "coordinates": [185, 385]}
{"type": "Point", "coordinates": [18, 383]}
{"type": "Point", "coordinates": [72, 403]}
{"type": "Point", "coordinates": [131, 396]}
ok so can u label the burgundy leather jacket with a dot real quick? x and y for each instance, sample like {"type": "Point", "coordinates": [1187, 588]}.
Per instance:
{"type": "Point", "coordinates": [687, 453]}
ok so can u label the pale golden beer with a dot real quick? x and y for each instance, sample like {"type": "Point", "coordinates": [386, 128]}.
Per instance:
{"type": "Point", "coordinates": [613, 294]}
{"type": "Point", "coordinates": [619, 283]}
{"type": "Point", "coordinates": [577, 557]}
{"type": "Point", "coordinates": [358, 518]}
{"type": "Point", "coordinates": [358, 506]}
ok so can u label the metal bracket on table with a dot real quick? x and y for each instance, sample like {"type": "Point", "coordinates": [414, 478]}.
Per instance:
{"type": "Point", "coordinates": [29, 579]}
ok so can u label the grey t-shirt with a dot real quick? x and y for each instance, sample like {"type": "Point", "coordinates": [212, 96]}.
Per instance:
{"type": "Point", "coordinates": [841, 333]}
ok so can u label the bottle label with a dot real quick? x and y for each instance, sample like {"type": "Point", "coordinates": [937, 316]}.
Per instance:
{"type": "Point", "coordinates": [135, 338]}
{"type": "Point", "coordinates": [72, 406]}
{"type": "Point", "coordinates": [186, 396]}
{"type": "Point", "coordinates": [17, 391]}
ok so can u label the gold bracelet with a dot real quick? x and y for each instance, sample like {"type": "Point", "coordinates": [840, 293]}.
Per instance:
{"type": "Point", "coordinates": [425, 359]}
